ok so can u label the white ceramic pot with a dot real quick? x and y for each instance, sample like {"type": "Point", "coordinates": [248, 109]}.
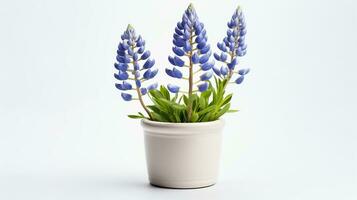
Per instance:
{"type": "Point", "coordinates": [183, 155]}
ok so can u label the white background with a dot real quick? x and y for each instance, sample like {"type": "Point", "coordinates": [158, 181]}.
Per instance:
{"type": "Point", "coordinates": [63, 129]}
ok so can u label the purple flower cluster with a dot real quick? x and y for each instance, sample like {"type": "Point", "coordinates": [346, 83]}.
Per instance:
{"type": "Point", "coordinates": [134, 65]}
{"type": "Point", "coordinates": [190, 42]}
{"type": "Point", "coordinates": [232, 47]}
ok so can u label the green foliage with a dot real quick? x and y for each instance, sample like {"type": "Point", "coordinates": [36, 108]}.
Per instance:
{"type": "Point", "coordinates": [206, 106]}
{"type": "Point", "coordinates": [138, 116]}
{"type": "Point", "coordinates": [165, 108]}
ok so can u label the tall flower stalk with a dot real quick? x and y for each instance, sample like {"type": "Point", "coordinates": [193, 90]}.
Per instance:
{"type": "Point", "coordinates": [190, 41]}
{"type": "Point", "coordinates": [132, 61]}
{"type": "Point", "coordinates": [232, 47]}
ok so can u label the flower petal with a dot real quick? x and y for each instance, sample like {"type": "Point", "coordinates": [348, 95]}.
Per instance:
{"type": "Point", "coordinates": [222, 47]}
{"type": "Point", "coordinates": [121, 66]}
{"type": "Point", "coordinates": [178, 51]}
{"type": "Point", "coordinates": [171, 60]}
{"type": "Point", "coordinates": [169, 72]}
{"type": "Point", "coordinates": [149, 63]}
{"type": "Point", "coordinates": [202, 87]}
{"type": "Point", "coordinates": [178, 61]}
{"type": "Point", "coordinates": [240, 80]}
{"type": "Point", "coordinates": [217, 57]}
{"type": "Point", "coordinates": [145, 55]}
{"type": "Point", "coordinates": [207, 66]}
{"type": "Point", "coordinates": [153, 73]}
{"type": "Point", "coordinates": [232, 64]}
{"type": "Point", "coordinates": [206, 76]}
{"type": "Point", "coordinates": [205, 49]}
{"type": "Point", "coordinates": [177, 73]}
{"type": "Point", "coordinates": [126, 96]}
{"type": "Point", "coordinates": [143, 91]}
{"type": "Point", "coordinates": [204, 58]}
{"type": "Point", "coordinates": [138, 83]}
{"type": "Point", "coordinates": [243, 71]}
{"type": "Point", "coordinates": [201, 45]}
{"type": "Point", "coordinates": [195, 58]}
{"type": "Point", "coordinates": [123, 86]}
{"type": "Point", "coordinates": [223, 57]}
{"type": "Point", "coordinates": [173, 88]}
{"type": "Point", "coordinates": [224, 70]}
{"type": "Point", "coordinates": [217, 70]}
{"type": "Point", "coordinates": [152, 86]}
{"type": "Point", "coordinates": [122, 75]}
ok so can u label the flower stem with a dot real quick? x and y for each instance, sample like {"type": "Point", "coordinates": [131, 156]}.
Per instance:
{"type": "Point", "coordinates": [190, 82]}
{"type": "Point", "coordinates": [232, 54]}
{"type": "Point", "coordinates": [140, 96]}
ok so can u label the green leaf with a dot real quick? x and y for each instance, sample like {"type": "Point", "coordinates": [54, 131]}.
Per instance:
{"type": "Point", "coordinates": [172, 104]}
{"type": "Point", "coordinates": [156, 94]}
{"type": "Point", "coordinates": [165, 92]}
{"type": "Point", "coordinates": [202, 102]}
{"type": "Point", "coordinates": [175, 97]}
{"type": "Point", "coordinates": [179, 101]}
{"type": "Point", "coordinates": [206, 110]}
{"type": "Point", "coordinates": [159, 104]}
{"type": "Point", "coordinates": [154, 108]}
{"type": "Point", "coordinates": [135, 116]}
{"type": "Point", "coordinates": [206, 94]}
{"type": "Point", "coordinates": [222, 111]}
{"type": "Point", "coordinates": [227, 99]}
{"type": "Point", "coordinates": [194, 117]}
{"type": "Point", "coordinates": [207, 117]}
{"type": "Point", "coordinates": [158, 117]}
{"type": "Point", "coordinates": [176, 114]}
{"type": "Point", "coordinates": [232, 111]}
{"type": "Point", "coordinates": [185, 99]}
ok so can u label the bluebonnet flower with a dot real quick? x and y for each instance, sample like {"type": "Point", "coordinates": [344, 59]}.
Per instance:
{"type": "Point", "coordinates": [149, 74]}
{"type": "Point", "coordinates": [132, 58]}
{"type": "Point", "coordinates": [126, 96]}
{"type": "Point", "coordinates": [239, 80]}
{"type": "Point", "coordinates": [152, 86]}
{"type": "Point", "coordinates": [190, 41]}
{"type": "Point", "coordinates": [122, 75]}
{"type": "Point", "coordinates": [143, 91]}
{"type": "Point", "coordinates": [243, 72]}
{"type": "Point", "coordinates": [202, 87]}
{"type": "Point", "coordinates": [124, 86]}
{"type": "Point", "coordinates": [206, 76]}
{"type": "Point", "coordinates": [173, 88]}
{"type": "Point", "coordinates": [175, 73]}
{"type": "Point", "coordinates": [224, 70]}
{"type": "Point", "coordinates": [234, 46]}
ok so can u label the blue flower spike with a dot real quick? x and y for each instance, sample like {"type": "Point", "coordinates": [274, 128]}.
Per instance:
{"type": "Point", "coordinates": [232, 47]}
{"type": "Point", "coordinates": [134, 65]}
{"type": "Point", "coordinates": [191, 52]}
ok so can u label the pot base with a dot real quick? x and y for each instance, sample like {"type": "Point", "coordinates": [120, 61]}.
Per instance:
{"type": "Point", "coordinates": [182, 184]}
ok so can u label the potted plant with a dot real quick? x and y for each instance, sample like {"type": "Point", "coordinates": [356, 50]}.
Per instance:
{"type": "Point", "coordinates": [183, 128]}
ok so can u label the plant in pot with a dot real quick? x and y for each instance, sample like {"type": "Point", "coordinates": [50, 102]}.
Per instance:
{"type": "Point", "coordinates": [182, 128]}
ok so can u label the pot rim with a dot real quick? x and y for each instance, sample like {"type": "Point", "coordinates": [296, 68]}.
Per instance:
{"type": "Point", "coordinates": [147, 122]}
